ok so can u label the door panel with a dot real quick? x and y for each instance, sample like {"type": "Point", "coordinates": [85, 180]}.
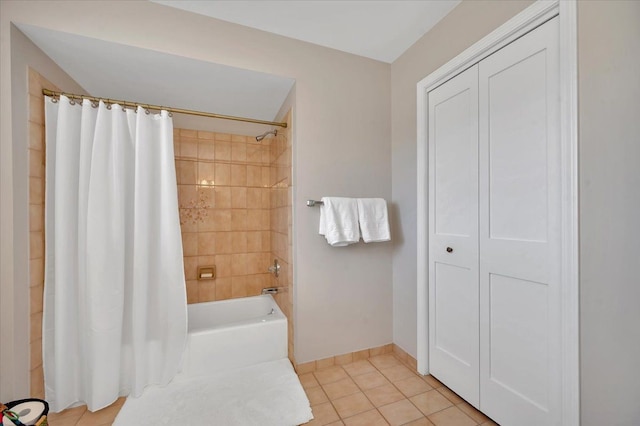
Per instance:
{"type": "Point", "coordinates": [453, 223]}
{"type": "Point", "coordinates": [517, 165]}
{"type": "Point", "coordinates": [519, 237]}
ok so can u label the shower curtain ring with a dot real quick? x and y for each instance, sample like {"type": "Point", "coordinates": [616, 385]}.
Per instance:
{"type": "Point", "coordinates": [54, 100]}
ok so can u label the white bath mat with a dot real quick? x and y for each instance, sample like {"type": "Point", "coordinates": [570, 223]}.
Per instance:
{"type": "Point", "coordinates": [264, 394]}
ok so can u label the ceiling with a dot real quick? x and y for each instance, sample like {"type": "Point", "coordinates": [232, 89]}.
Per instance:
{"type": "Point", "coordinates": [124, 72]}
{"type": "Point", "coordinates": [380, 30]}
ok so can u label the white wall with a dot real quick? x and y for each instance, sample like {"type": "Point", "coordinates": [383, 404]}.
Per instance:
{"type": "Point", "coordinates": [609, 87]}
{"type": "Point", "coordinates": [14, 213]}
{"type": "Point", "coordinates": [342, 148]}
{"type": "Point", "coordinates": [466, 24]}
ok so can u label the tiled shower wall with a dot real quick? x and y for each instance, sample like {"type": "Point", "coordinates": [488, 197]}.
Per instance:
{"type": "Point", "coordinates": [223, 194]}
{"type": "Point", "coordinates": [281, 225]}
{"type": "Point", "coordinates": [36, 225]}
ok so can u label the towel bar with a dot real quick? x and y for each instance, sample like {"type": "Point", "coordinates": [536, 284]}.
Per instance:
{"type": "Point", "coordinates": [313, 203]}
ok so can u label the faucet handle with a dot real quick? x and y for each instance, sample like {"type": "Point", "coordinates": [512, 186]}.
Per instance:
{"type": "Point", "coordinates": [275, 268]}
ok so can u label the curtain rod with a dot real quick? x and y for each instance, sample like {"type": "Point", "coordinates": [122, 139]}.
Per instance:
{"type": "Point", "coordinates": [48, 92]}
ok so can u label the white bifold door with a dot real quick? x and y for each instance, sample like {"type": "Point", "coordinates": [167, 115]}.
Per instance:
{"type": "Point", "coordinates": [494, 232]}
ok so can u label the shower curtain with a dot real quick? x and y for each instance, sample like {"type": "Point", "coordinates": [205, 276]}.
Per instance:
{"type": "Point", "coordinates": [115, 310]}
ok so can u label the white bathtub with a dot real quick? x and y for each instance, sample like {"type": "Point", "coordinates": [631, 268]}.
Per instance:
{"type": "Point", "coordinates": [234, 333]}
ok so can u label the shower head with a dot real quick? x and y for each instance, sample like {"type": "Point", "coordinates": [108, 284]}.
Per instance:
{"type": "Point", "coordinates": [265, 134]}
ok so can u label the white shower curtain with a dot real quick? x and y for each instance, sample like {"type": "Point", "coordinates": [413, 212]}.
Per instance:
{"type": "Point", "coordinates": [115, 310]}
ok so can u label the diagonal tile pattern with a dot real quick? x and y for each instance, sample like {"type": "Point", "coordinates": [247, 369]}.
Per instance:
{"type": "Point", "coordinates": [384, 390]}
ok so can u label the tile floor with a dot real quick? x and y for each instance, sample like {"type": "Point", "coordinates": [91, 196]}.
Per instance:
{"type": "Point", "coordinates": [383, 391]}
{"type": "Point", "coordinates": [377, 391]}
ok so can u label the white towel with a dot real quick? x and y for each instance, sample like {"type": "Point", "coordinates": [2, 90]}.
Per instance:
{"type": "Point", "coordinates": [374, 220]}
{"type": "Point", "coordinates": [339, 221]}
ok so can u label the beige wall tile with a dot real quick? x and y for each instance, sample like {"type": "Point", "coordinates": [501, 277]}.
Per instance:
{"type": "Point", "coordinates": [36, 136]}
{"type": "Point", "coordinates": [206, 290]}
{"type": "Point", "coordinates": [238, 196]}
{"type": "Point", "coordinates": [35, 298]}
{"type": "Point", "coordinates": [206, 243]}
{"type": "Point", "coordinates": [223, 265]}
{"type": "Point", "coordinates": [223, 243]}
{"type": "Point", "coordinates": [223, 174]}
{"type": "Point", "coordinates": [36, 245]}
{"type": "Point", "coordinates": [239, 152]}
{"type": "Point", "coordinates": [190, 243]}
{"type": "Point", "coordinates": [37, 383]}
{"type": "Point", "coordinates": [36, 354]}
{"type": "Point", "coordinates": [238, 175]}
{"type": "Point", "coordinates": [239, 242]}
{"type": "Point", "coordinates": [238, 264]}
{"type": "Point", "coordinates": [36, 109]}
{"type": "Point", "coordinates": [223, 137]}
{"type": "Point", "coordinates": [239, 220]}
{"type": "Point", "coordinates": [188, 148]}
{"type": "Point", "coordinates": [223, 150]}
{"type": "Point", "coordinates": [36, 190]}
{"type": "Point", "coordinates": [223, 197]}
{"type": "Point", "coordinates": [188, 134]}
{"type": "Point", "coordinates": [207, 173]}
{"type": "Point", "coordinates": [206, 135]}
{"type": "Point", "coordinates": [239, 286]}
{"type": "Point", "coordinates": [206, 150]}
{"type": "Point", "coordinates": [36, 271]}
{"type": "Point", "coordinates": [192, 291]}
{"type": "Point", "coordinates": [223, 288]}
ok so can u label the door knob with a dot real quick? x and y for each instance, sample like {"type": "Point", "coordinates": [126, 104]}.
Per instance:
{"type": "Point", "coordinates": [449, 249]}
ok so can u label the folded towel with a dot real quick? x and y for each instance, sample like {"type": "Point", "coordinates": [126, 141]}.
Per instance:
{"type": "Point", "coordinates": [374, 220]}
{"type": "Point", "coordinates": [339, 221]}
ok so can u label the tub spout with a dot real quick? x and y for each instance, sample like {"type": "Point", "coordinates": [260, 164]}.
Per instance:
{"type": "Point", "coordinates": [270, 290]}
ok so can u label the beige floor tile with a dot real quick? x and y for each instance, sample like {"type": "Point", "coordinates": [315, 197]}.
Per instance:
{"type": "Point", "coordinates": [423, 421]}
{"type": "Point", "coordinates": [329, 375]}
{"type": "Point", "coordinates": [490, 423]}
{"type": "Point", "coordinates": [400, 412]}
{"type": "Point", "coordinates": [432, 381]}
{"type": "Point", "coordinates": [451, 416]}
{"type": "Point", "coordinates": [101, 417]}
{"type": "Point", "coordinates": [308, 380]}
{"type": "Point", "coordinates": [396, 373]}
{"type": "Point", "coordinates": [476, 415]}
{"type": "Point", "coordinates": [340, 388]}
{"type": "Point", "coordinates": [68, 417]}
{"type": "Point", "coordinates": [351, 405]}
{"type": "Point", "coordinates": [384, 361]}
{"type": "Point", "coordinates": [338, 423]}
{"type": "Point", "coordinates": [323, 414]}
{"type": "Point", "coordinates": [359, 367]}
{"type": "Point", "coordinates": [368, 418]}
{"type": "Point", "coordinates": [412, 386]}
{"type": "Point", "coordinates": [450, 395]}
{"type": "Point", "coordinates": [316, 395]}
{"type": "Point", "coordinates": [383, 395]}
{"type": "Point", "coordinates": [370, 380]}
{"type": "Point", "coordinates": [430, 402]}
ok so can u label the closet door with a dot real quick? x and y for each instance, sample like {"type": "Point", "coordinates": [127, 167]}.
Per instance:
{"type": "Point", "coordinates": [453, 234]}
{"type": "Point", "coordinates": [520, 231]}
